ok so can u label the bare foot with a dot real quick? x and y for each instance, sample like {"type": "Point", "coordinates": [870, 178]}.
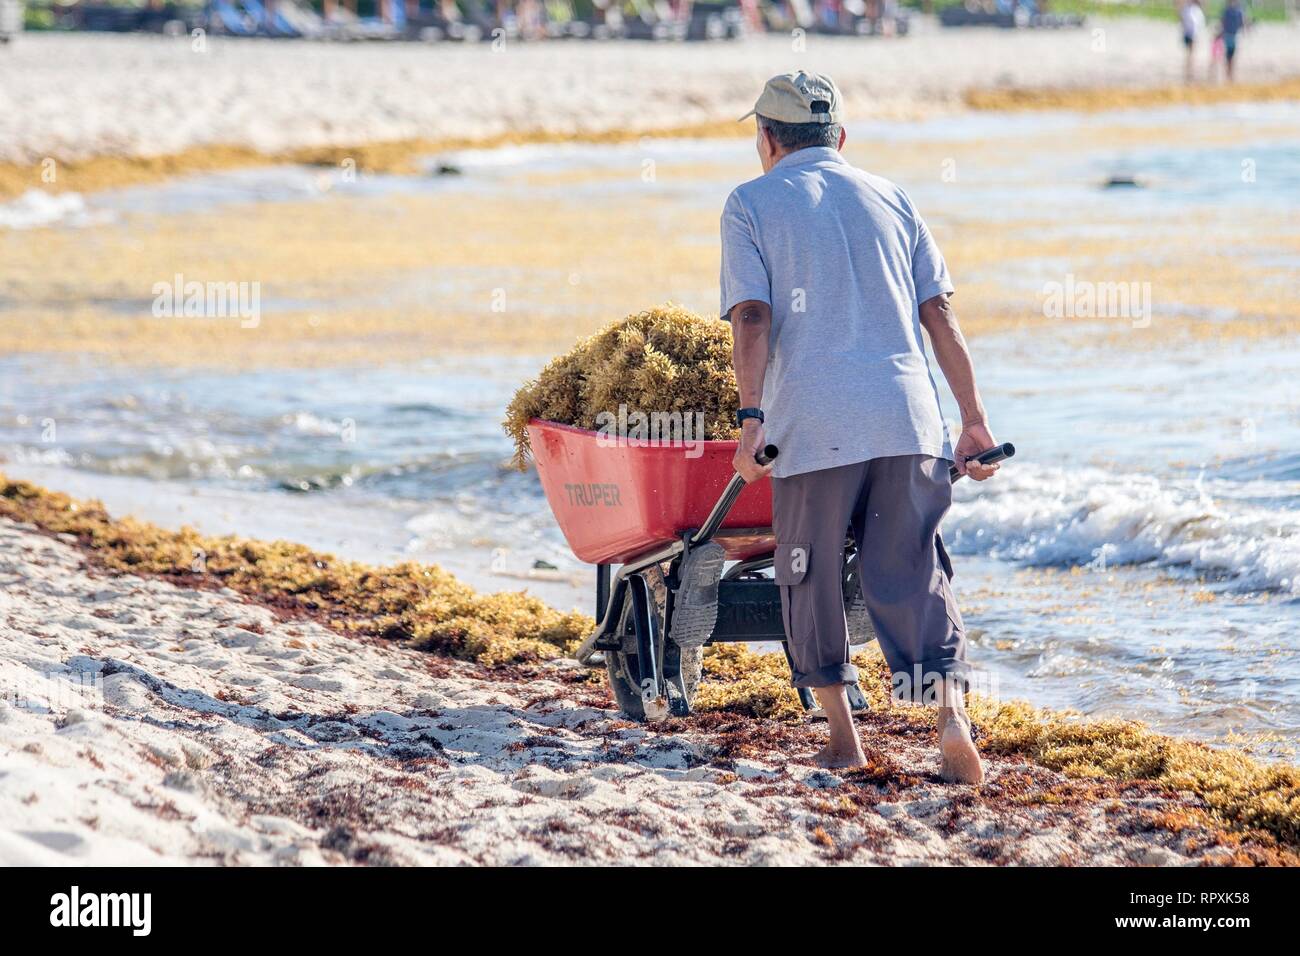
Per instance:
{"type": "Point", "coordinates": [961, 761]}
{"type": "Point", "coordinates": [831, 758]}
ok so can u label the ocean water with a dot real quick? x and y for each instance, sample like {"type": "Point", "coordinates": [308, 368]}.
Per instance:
{"type": "Point", "coordinates": [1139, 557]}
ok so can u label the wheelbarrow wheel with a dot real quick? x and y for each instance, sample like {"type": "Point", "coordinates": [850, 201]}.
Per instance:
{"type": "Point", "coordinates": [623, 667]}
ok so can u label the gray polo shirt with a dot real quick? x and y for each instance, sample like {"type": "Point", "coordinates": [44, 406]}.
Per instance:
{"type": "Point", "coordinates": [844, 260]}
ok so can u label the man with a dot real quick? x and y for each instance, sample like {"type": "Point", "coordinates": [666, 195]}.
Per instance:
{"type": "Point", "coordinates": [828, 276]}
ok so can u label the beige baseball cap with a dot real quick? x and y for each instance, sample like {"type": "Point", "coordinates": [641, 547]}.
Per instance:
{"type": "Point", "coordinates": [799, 98]}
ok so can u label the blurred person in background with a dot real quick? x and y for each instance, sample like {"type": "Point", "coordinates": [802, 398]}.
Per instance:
{"type": "Point", "coordinates": [1192, 19]}
{"type": "Point", "coordinates": [1231, 23]}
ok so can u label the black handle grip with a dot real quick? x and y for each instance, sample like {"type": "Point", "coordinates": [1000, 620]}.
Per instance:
{"type": "Point", "coordinates": [996, 453]}
{"type": "Point", "coordinates": [767, 455]}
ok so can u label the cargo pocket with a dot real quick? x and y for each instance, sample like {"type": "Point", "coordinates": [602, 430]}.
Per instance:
{"type": "Point", "coordinates": [790, 566]}
{"type": "Point", "coordinates": [791, 563]}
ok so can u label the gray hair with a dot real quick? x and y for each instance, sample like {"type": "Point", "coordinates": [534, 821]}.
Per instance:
{"type": "Point", "coordinates": [792, 136]}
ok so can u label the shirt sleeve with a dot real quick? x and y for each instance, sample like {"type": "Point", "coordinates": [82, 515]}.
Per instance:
{"type": "Point", "coordinates": [929, 271]}
{"type": "Point", "coordinates": [744, 274]}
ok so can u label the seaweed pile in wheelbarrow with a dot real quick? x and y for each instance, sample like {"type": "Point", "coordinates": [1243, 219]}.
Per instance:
{"type": "Point", "coordinates": [662, 360]}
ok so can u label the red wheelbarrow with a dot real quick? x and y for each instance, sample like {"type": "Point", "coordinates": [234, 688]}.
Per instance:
{"type": "Point", "coordinates": [645, 506]}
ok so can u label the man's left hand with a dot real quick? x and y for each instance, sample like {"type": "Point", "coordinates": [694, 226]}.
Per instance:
{"type": "Point", "coordinates": [751, 443]}
{"type": "Point", "coordinates": [975, 439]}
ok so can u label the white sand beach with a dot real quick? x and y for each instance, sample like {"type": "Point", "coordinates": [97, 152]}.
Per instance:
{"type": "Point", "coordinates": [147, 723]}
{"type": "Point", "coordinates": [71, 96]}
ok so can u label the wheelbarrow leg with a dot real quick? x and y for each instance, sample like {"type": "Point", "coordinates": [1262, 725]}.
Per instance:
{"type": "Point", "coordinates": [805, 694]}
{"type": "Point", "coordinates": [674, 682]}
{"type": "Point", "coordinates": [649, 650]}
{"type": "Point", "coordinates": [857, 700]}
{"type": "Point", "coordinates": [602, 590]}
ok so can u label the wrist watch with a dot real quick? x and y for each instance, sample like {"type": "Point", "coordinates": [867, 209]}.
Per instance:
{"type": "Point", "coordinates": [744, 413]}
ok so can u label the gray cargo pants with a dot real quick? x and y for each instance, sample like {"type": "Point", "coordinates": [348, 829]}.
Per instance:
{"type": "Point", "coordinates": [892, 507]}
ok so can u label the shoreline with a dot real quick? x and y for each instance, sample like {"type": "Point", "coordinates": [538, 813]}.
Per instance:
{"type": "Point", "coordinates": [402, 157]}
{"type": "Point", "coordinates": [399, 157]}
{"type": "Point", "coordinates": [244, 103]}
{"type": "Point", "coordinates": [1156, 799]}
{"type": "Point", "coordinates": [155, 724]}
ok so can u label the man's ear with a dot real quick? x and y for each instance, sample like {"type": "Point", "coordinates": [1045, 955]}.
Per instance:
{"type": "Point", "coordinates": [843, 137]}
{"type": "Point", "coordinates": [767, 150]}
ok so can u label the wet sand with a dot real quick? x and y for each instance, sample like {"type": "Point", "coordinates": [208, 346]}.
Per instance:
{"type": "Point", "coordinates": [507, 257]}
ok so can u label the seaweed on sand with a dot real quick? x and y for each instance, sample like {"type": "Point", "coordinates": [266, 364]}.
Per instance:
{"type": "Point", "coordinates": [1236, 789]}
{"type": "Point", "coordinates": [434, 611]}
{"type": "Point", "coordinates": [664, 360]}
{"type": "Point", "coordinates": [393, 156]}
{"type": "Point", "coordinates": [1093, 99]}
{"type": "Point", "coordinates": [740, 681]}
{"type": "Point", "coordinates": [420, 603]}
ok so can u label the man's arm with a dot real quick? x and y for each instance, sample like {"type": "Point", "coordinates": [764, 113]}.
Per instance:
{"type": "Point", "coordinates": [940, 322]}
{"type": "Point", "coordinates": [751, 324]}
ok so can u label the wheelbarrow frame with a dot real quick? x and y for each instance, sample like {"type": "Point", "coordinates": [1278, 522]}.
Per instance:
{"type": "Point", "coordinates": [749, 609]}
{"type": "Point", "coordinates": [635, 613]}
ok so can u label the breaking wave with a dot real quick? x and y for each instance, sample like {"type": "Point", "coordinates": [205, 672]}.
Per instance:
{"type": "Point", "coordinates": [1047, 516]}
{"type": "Point", "coordinates": [36, 208]}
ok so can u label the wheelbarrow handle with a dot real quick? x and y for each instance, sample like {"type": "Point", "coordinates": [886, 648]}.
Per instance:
{"type": "Point", "coordinates": [728, 498]}
{"type": "Point", "coordinates": [996, 453]}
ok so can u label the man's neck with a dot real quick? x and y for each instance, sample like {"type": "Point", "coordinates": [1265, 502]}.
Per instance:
{"type": "Point", "coordinates": [779, 158]}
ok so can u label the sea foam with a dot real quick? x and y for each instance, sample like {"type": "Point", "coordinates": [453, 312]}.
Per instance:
{"type": "Point", "coordinates": [36, 208]}
{"type": "Point", "coordinates": [1087, 516]}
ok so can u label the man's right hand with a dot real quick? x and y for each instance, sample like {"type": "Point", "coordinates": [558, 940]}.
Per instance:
{"type": "Point", "coordinates": [751, 443]}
